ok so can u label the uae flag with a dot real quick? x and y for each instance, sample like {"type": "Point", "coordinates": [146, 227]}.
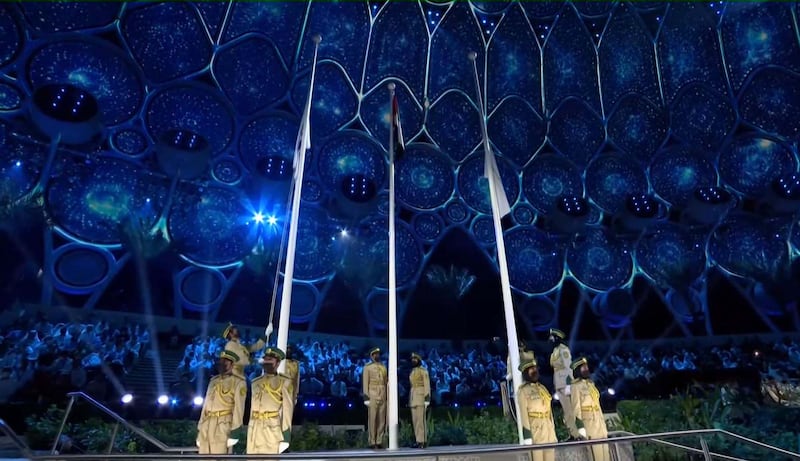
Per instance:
{"type": "Point", "coordinates": [399, 143]}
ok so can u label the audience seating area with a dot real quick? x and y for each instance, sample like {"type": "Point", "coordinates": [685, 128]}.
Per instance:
{"type": "Point", "coordinates": [40, 361]}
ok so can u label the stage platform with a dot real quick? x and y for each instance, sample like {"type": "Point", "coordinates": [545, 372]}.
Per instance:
{"type": "Point", "coordinates": [622, 446]}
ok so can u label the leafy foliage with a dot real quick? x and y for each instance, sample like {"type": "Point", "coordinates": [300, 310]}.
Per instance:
{"type": "Point", "coordinates": [696, 409]}
{"type": "Point", "coordinates": [690, 410]}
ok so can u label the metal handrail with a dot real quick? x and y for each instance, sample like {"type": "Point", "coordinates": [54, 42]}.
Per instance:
{"type": "Point", "coordinates": [615, 434]}
{"type": "Point", "coordinates": [119, 420]}
{"type": "Point", "coordinates": [438, 452]}
{"type": "Point", "coordinates": [15, 439]}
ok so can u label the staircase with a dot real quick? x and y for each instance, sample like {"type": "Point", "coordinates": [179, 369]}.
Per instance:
{"type": "Point", "coordinates": [143, 379]}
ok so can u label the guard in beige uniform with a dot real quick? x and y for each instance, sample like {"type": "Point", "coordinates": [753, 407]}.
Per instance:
{"type": "Point", "coordinates": [419, 398]}
{"type": "Point", "coordinates": [292, 371]}
{"type": "Point", "coordinates": [586, 406]}
{"type": "Point", "coordinates": [373, 383]}
{"type": "Point", "coordinates": [231, 333]}
{"type": "Point", "coordinates": [560, 360]}
{"type": "Point", "coordinates": [535, 411]}
{"type": "Point", "coordinates": [220, 426]}
{"type": "Point", "coordinates": [271, 408]}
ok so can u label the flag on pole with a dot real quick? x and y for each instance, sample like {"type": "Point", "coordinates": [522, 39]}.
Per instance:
{"type": "Point", "coordinates": [500, 207]}
{"type": "Point", "coordinates": [399, 142]}
{"type": "Point", "coordinates": [302, 144]}
{"type": "Point", "coordinates": [491, 172]}
{"type": "Point", "coordinates": [304, 136]}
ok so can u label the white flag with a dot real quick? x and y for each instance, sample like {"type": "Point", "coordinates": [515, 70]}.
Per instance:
{"type": "Point", "coordinates": [491, 172]}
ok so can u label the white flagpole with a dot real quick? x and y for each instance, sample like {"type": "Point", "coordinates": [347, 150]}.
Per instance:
{"type": "Point", "coordinates": [303, 143]}
{"type": "Point", "coordinates": [393, 395]}
{"type": "Point", "coordinates": [492, 174]}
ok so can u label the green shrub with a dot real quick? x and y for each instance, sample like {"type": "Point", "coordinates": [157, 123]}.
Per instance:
{"type": "Point", "coordinates": [768, 424]}
{"type": "Point", "coordinates": [694, 410]}
{"type": "Point", "coordinates": [42, 429]}
{"type": "Point", "coordinates": [485, 429]}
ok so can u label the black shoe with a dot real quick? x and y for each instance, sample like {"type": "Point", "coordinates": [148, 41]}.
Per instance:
{"type": "Point", "coordinates": [416, 445]}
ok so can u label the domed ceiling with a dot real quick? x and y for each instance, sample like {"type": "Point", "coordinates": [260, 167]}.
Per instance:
{"type": "Point", "coordinates": [648, 150]}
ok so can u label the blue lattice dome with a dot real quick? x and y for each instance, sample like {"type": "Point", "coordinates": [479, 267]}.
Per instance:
{"type": "Point", "coordinates": [645, 149]}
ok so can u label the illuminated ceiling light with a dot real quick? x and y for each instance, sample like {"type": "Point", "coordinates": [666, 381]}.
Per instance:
{"type": "Point", "coordinates": [197, 401]}
{"type": "Point", "coordinates": [163, 399]}
{"type": "Point", "coordinates": [570, 214]}
{"type": "Point", "coordinates": [640, 211]}
{"type": "Point", "coordinates": [708, 205]}
{"type": "Point", "coordinates": [258, 217]}
{"type": "Point", "coordinates": [127, 398]}
{"type": "Point", "coordinates": [272, 220]}
{"type": "Point", "coordinates": [66, 112]}
{"type": "Point", "coordinates": [275, 168]}
{"type": "Point", "coordinates": [183, 153]}
{"type": "Point", "coordinates": [783, 195]}
{"type": "Point", "coordinates": [358, 188]}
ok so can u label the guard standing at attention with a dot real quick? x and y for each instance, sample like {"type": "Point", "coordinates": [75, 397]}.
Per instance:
{"type": "Point", "coordinates": [560, 360]}
{"type": "Point", "coordinates": [586, 407]}
{"type": "Point", "coordinates": [418, 399]}
{"type": "Point", "coordinates": [271, 408]}
{"type": "Point", "coordinates": [536, 412]}
{"type": "Point", "coordinates": [374, 380]}
{"type": "Point", "coordinates": [220, 425]}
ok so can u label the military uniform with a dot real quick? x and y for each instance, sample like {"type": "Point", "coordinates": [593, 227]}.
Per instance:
{"type": "Point", "coordinates": [292, 371]}
{"type": "Point", "coordinates": [588, 414]}
{"type": "Point", "coordinates": [418, 399]}
{"type": "Point", "coordinates": [560, 360]}
{"type": "Point", "coordinates": [271, 408]}
{"type": "Point", "coordinates": [223, 410]}
{"type": "Point", "coordinates": [242, 351]}
{"type": "Point", "coordinates": [537, 418]}
{"type": "Point", "coordinates": [374, 382]}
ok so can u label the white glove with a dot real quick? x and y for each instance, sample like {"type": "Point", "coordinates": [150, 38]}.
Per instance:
{"type": "Point", "coordinates": [366, 402]}
{"type": "Point", "coordinates": [232, 442]}
{"type": "Point", "coordinates": [268, 331]}
{"type": "Point", "coordinates": [568, 390]}
{"type": "Point", "coordinates": [427, 404]}
{"type": "Point", "coordinates": [527, 442]}
{"type": "Point", "coordinates": [582, 433]}
{"type": "Point", "coordinates": [197, 442]}
{"type": "Point", "coordinates": [283, 446]}
{"type": "Point", "coordinates": [508, 377]}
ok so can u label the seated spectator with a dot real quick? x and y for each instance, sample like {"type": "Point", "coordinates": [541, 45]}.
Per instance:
{"type": "Point", "coordinates": [339, 387]}
{"type": "Point", "coordinates": [77, 376]}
